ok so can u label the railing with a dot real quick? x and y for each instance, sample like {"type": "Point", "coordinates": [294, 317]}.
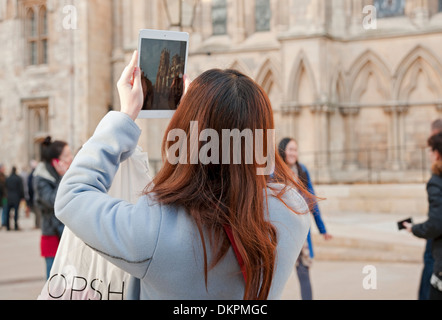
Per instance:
{"type": "Point", "coordinates": [405, 164]}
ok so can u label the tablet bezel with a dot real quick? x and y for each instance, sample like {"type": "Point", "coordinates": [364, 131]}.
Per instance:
{"type": "Point", "coordinates": [161, 35]}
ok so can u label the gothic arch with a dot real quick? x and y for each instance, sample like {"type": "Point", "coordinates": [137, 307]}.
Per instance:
{"type": "Point", "coordinates": [366, 65]}
{"type": "Point", "coordinates": [268, 75]}
{"type": "Point", "coordinates": [301, 68]}
{"type": "Point", "coordinates": [241, 67]}
{"type": "Point", "coordinates": [418, 60]}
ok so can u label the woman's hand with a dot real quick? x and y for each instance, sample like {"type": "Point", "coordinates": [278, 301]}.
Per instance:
{"type": "Point", "coordinates": [327, 236]}
{"type": "Point", "coordinates": [130, 89]}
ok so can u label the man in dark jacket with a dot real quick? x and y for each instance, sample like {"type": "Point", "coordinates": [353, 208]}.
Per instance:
{"type": "Point", "coordinates": [16, 193]}
{"type": "Point", "coordinates": [432, 229]}
{"type": "Point", "coordinates": [3, 200]}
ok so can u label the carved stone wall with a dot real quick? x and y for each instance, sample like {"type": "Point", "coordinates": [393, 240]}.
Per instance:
{"type": "Point", "coordinates": [338, 88]}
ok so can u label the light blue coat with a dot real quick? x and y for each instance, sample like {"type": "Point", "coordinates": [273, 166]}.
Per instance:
{"type": "Point", "coordinates": [160, 244]}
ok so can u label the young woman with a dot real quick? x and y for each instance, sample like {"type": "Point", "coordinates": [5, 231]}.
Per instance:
{"type": "Point", "coordinates": [56, 159]}
{"type": "Point", "coordinates": [432, 228]}
{"type": "Point", "coordinates": [178, 238]}
{"type": "Point", "coordinates": [288, 150]}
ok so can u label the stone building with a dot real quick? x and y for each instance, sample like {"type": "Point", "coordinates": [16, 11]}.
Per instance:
{"type": "Point", "coordinates": [356, 82]}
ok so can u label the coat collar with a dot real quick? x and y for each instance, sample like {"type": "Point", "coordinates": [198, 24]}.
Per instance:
{"type": "Point", "coordinates": [44, 171]}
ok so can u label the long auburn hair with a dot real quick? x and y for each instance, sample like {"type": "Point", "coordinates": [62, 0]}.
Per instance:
{"type": "Point", "coordinates": [216, 195]}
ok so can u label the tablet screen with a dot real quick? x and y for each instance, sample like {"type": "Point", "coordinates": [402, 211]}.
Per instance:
{"type": "Point", "coordinates": [162, 64]}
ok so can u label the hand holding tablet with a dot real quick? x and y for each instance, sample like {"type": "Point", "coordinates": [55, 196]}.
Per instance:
{"type": "Point", "coordinates": [130, 89]}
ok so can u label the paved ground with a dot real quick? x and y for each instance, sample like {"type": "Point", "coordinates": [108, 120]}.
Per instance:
{"type": "Point", "coordinates": [335, 280]}
{"type": "Point", "coordinates": [22, 269]}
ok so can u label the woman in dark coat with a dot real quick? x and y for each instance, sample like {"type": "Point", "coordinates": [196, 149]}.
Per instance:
{"type": "Point", "coordinates": [56, 159]}
{"type": "Point", "coordinates": [432, 228]}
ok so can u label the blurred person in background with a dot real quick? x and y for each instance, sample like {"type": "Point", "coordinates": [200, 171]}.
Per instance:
{"type": "Point", "coordinates": [56, 160]}
{"type": "Point", "coordinates": [3, 199]}
{"type": "Point", "coordinates": [288, 150]}
{"type": "Point", "coordinates": [31, 205]}
{"type": "Point", "coordinates": [24, 173]}
{"type": "Point", "coordinates": [15, 194]}
{"type": "Point", "coordinates": [427, 271]}
{"type": "Point", "coordinates": [432, 228]}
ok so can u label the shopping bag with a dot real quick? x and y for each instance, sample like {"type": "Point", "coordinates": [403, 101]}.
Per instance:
{"type": "Point", "coordinates": [79, 272]}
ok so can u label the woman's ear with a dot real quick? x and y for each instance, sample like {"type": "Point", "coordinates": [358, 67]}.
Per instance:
{"type": "Point", "coordinates": [438, 155]}
{"type": "Point", "coordinates": [55, 162]}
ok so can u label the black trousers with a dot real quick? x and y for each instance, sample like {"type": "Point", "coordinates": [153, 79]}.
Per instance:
{"type": "Point", "coordinates": [8, 211]}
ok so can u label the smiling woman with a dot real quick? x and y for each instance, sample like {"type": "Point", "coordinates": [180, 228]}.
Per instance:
{"type": "Point", "coordinates": [288, 150]}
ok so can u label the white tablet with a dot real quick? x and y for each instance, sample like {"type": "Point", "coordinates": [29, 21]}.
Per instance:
{"type": "Point", "coordinates": [162, 58]}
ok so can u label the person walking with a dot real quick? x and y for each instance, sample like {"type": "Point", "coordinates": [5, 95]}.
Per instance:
{"type": "Point", "coordinates": [427, 271]}
{"type": "Point", "coordinates": [200, 231]}
{"type": "Point", "coordinates": [31, 203]}
{"type": "Point", "coordinates": [3, 196]}
{"type": "Point", "coordinates": [288, 150]}
{"type": "Point", "coordinates": [15, 194]}
{"type": "Point", "coordinates": [432, 228]}
{"type": "Point", "coordinates": [56, 159]}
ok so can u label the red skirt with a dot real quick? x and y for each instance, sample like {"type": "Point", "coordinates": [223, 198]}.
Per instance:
{"type": "Point", "coordinates": [49, 246]}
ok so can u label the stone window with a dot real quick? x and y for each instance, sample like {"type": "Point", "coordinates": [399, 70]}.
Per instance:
{"type": "Point", "coordinates": [43, 19]}
{"type": "Point", "coordinates": [390, 8]}
{"type": "Point", "coordinates": [219, 17]}
{"type": "Point", "coordinates": [36, 32]}
{"type": "Point", "coordinates": [37, 124]}
{"type": "Point", "coordinates": [263, 14]}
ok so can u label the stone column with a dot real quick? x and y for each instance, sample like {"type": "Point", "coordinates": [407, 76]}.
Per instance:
{"type": "Point", "coordinates": [356, 17]}
{"type": "Point", "coordinates": [439, 109]}
{"type": "Point", "coordinates": [298, 13]}
{"type": "Point", "coordinates": [117, 49]}
{"type": "Point", "coordinates": [337, 22]}
{"type": "Point", "coordinates": [350, 156]}
{"type": "Point", "coordinates": [291, 112]}
{"type": "Point", "coordinates": [396, 137]}
{"type": "Point", "coordinates": [239, 32]}
{"type": "Point", "coordinates": [402, 113]}
{"type": "Point", "coordinates": [282, 12]}
{"type": "Point", "coordinates": [321, 114]}
{"type": "Point", "coordinates": [319, 14]}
